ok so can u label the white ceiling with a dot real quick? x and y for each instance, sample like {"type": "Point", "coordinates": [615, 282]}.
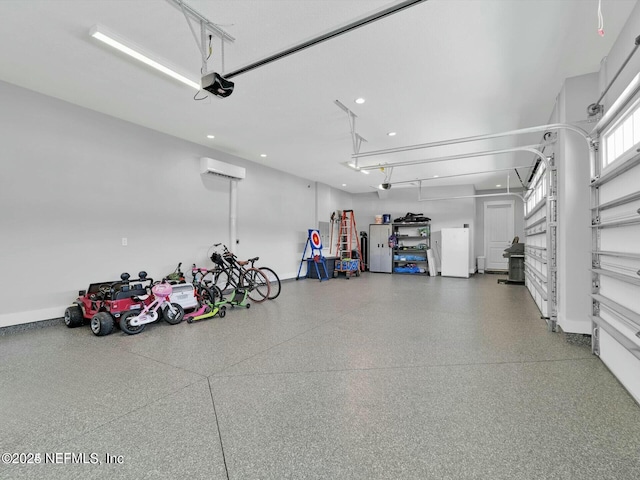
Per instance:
{"type": "Point", "coordinates": [438, 70]}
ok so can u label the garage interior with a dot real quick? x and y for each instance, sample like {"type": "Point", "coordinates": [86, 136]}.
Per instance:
{"type": "Point", "coordinates": [500, 118]}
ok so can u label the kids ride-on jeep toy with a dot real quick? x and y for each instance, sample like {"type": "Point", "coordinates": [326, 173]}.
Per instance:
{"type": "Point", "coordinates": [102, 304]}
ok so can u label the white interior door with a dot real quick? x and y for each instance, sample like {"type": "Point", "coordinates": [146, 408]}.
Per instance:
{"type": "Point", "coordinates": [499, 228]}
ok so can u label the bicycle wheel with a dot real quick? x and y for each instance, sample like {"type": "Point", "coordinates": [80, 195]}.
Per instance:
{"type": "Point", "coordinates": [257, 283]}
{"type": "Point", "coordinates": [274, 282]}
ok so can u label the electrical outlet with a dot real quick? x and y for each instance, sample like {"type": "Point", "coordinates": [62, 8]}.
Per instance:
{"type": "Point", "coordinates": [124, 241]}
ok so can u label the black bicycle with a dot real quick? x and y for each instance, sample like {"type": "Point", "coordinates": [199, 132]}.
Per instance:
{"type": "Point", "coordinates": [230, 274]}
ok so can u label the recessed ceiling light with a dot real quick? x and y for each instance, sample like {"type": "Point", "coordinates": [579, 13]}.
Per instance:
{"type": "Point", "coordinates": [391, 134]}
{"type": "Point", "coordinates": [344, 184]}
{"type": "Point", "coordinates": [498, 185]}
{"type": "Point", "coordinates": [359, 101]}
{"type": "Point", "coordinates": [211, 136]}
{"type": "Point", "coordinates": [436, 176]}
{"type": "Point", "coordinates": [263, 155]}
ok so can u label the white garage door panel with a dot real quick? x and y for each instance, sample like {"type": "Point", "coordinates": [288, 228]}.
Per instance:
{"type": "Point", "coordinates": [621, 362]}
{"type": "Point", "coordinates": [620, 292]}
{"type": "Point", "coordinates": [621, 239]}
{"type": "Point", "coordinates": [615, 195]}
{"type": "Point", "coordinates": [538, 248]}
{"type": "Point", "coordinates": [620, 186]}
{"type": "Point", "coordinates": [628, 211]}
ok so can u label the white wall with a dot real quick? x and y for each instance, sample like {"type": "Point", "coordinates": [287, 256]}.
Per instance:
{"type": "Point", "coordinates": [75, 182]}
{"type": "Point", "coordinates": [443, 213]}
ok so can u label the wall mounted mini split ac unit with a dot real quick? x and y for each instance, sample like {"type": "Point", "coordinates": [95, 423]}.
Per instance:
{"type": "Point", "coordinates": [209, 166]}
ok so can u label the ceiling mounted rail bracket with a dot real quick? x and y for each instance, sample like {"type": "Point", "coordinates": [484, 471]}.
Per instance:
{"type": "Point", "coordinates": [207, 28]}
{"type": "Point", "coordinates": [356, 138]}
{"type": "Point", "coordinates": [597, 108]}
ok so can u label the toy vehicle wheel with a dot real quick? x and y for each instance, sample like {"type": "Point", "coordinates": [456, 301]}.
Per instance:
{"type": "Point", "coordinates": [102, 324]}
{"type": "Point", "coordinates": [173, 317]}
{"type": "Point", "coordinates": [223, 311]}
{"type": "Point", "coordinates": [73, 316]}
{"type": "Point", "coordinates": [125, 323]}
{"type": "Point", "coordinates": [190, 320]}
{"type": "Point", "coordinates": [211, 294]}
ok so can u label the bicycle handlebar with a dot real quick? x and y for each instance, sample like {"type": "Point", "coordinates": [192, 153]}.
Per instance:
{"type": "Point", "coordinates": [228, 253]}
{"type": "Point", "coordinates": [199, 270]}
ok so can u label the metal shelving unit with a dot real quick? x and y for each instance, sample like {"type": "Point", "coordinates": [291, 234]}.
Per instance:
{"type": "Point", "coordinates": [411, 246]}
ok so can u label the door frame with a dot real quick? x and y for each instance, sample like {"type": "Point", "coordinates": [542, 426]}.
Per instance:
{"type": "Point", "coordinates": [512, 203]}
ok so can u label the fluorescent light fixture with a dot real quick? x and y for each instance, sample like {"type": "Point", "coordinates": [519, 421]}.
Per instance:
{"type": "Point", "coordinates": [498, 185]}
{"type": "Point", "coordinates": [366, 172]}
{"type": "Point", "coordinates": [211, 136]}
{"type": "Point", "coordinates": [391, 134]}
{"type": "Point", "coordinates": [263, 155]}
{"type": "Point", "coordinates": [344, 184]}
{"type": "Point", "coordinates": [100, 33]}
{"type": "Point", "coordinates": [359, 101]}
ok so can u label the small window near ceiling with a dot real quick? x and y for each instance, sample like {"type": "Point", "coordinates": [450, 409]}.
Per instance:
{"type": "Point", "coordinates": [610, 147]}
{"type": "Point", "coordinates": [622, 137]}
{"type": "Point", "coordinates": [627, 134]}
{"type": "Point", "coordinates": [619, 141]}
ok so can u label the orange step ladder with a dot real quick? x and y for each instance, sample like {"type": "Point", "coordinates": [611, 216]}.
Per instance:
{"type": "Point", "coordinates": [348, 244]}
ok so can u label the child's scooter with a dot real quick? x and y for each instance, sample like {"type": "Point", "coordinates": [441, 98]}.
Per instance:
{"type": "Point", "coordinates": [207, 310]}
{"type": "Point", "coordinates": [134, 322]}
{"type": "Point", "coordinates": [238, 298]}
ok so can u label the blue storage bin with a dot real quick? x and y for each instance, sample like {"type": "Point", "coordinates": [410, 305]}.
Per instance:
{"type": "Point", "coordinates": [347, 265]}
{"type": "Point", "coordinates": [409, 258]}
{"type": "Point", "coordinates": [407, 269]}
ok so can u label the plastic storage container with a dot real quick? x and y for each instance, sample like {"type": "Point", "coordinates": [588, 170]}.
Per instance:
{"type": "Point", "coordinates": [481, 264]}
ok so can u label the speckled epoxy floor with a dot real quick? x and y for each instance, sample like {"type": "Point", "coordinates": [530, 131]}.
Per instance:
{"type": "Point", "coordinates": [377, 377]}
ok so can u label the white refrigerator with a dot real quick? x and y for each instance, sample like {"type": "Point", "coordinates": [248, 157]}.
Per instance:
{"type": "Point", "coordinates": [455, 246]}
